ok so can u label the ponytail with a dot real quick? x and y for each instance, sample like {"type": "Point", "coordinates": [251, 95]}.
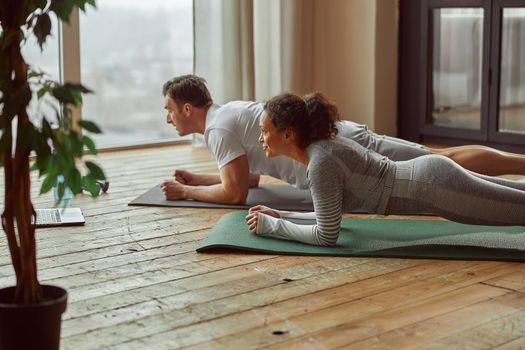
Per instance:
{"type": "Point", "coordinates": [322, 117]}
{"type": "Point", "coordinates": [313, 117]}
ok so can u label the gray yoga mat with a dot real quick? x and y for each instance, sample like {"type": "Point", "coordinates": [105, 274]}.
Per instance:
{"type": "Point", "coordinates": [436, 239]}
{"type": "Point", "coordinates": [284, 197]}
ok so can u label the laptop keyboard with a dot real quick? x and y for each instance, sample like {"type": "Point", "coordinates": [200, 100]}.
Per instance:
{"type": "Point", "coordinates": [47, 216]}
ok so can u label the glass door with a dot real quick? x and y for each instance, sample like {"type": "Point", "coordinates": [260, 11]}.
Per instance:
{"type": "Point", "coordinates": [512, 82]}
{"type": "Point", "coordinates": [456, 46]}
{"type": "Point", "coordinates": [462, 72]}
{"type": "Point", "coordinates": [508, 59]}
{"type": "Point", "coordinates": [457, 56]}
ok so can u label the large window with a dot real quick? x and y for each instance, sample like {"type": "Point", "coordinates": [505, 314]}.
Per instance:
{"type": "Point", "coordinates": [128, 49]}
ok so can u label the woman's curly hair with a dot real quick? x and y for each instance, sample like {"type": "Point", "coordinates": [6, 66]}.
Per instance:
{"type": "Point", "coordinates": [313, 117]}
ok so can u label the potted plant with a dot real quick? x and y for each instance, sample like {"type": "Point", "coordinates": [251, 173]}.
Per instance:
{"type": "Point", "coordinates": [56, 153]}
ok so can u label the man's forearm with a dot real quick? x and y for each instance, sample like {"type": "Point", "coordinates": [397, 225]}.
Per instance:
{"type": "Point", "coordinates": [214, 179]}
{"type": "Point", "coordinates": [214, 194]}
{"type": "Point", "coordinates": [207, 179]}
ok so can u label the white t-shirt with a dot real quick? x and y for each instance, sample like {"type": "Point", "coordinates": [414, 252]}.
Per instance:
{"type": "Point", "coordinates": [232, 130]}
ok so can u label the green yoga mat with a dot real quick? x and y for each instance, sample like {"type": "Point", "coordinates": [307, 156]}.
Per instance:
{"type": "Point", "coordinates": [436, 239]}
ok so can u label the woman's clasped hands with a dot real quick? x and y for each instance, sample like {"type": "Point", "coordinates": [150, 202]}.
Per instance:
{"type": "Point", "coordinates": [253, 216]}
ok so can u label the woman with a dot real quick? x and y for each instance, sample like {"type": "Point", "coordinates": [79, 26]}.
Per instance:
{"type": "Point", "coordinates": [343, 175]}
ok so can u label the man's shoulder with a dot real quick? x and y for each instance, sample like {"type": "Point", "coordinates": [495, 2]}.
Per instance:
{"type": "Point", "coordinates": [232, 113]}
{"type": "Point", "coordinates": [235, 108]}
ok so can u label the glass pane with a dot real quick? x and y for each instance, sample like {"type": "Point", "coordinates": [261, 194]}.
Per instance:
{"type": "Point", "coordinates": [512, 82]}
{"type": "Point", "coordinates": [46, 61]}
{"type": "Point", "coordinates": [129, 48]}
{"type": "Point", "coordinates": [456, 72]}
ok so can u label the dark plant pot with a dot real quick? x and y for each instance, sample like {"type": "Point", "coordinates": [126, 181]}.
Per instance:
{"type": "Point", "coordinates": [34, 326]}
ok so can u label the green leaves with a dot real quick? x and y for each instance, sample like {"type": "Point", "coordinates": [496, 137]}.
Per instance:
{"type": "Point", "coordinates": [73, 179]}
{"type": "Point", "coordinates": [59, 151]}
{"type": "Point", "coordinates": [64, 162]}
{"type": "Point", "coordinates": [89, 144]}
{"type": "Point", "coordinates": [95, 171]}
{"type": "Point", "coordinates": [68, 93]}
{"type": "Point", "coordinates": [89, 181]}
{"type": "Point", "coordinates": [71, 175]}
{"type": "Point", "coordinates": [41, 145]}
{"type": "Point", "coordinates": [63, 8]}
{"type": "Point", "coordinates": [42, 29]}
{"type": "Point", "coordinates": [65, 95]}
{"type": "Point", "coordinates": [44, 90]}
{"type": "Point", "coordinates": [78, 87]}
{"type": "Point", "coordinates": [90, 184]}
{"type": "Point", "coordinates": [48, 183]}
{"type": "Point", "coordinates": [90, 126]}
{"type": "Point", "coordinates": [34, 74]}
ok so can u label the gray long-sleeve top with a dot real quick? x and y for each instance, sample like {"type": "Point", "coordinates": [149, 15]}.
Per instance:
{"type": "Point", "coordinates": [342, 175]}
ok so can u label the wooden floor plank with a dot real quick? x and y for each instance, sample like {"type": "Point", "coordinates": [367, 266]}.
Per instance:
{"type": "Point", "coordinates": [417, 335]}
{"type": "Point", "coordinates": [506, 331]}
{"type": "Point", "coordinates": [429, 287]}
{"type": "Point", "coordinates": [328, 330]}
{"type": "Point", "coordinates": [319, 282]}
{"type": "Point", "coordinates": [239, 306]}
{"type": "Point", "coordinates": [514, 280]}
{"type": "Point", "coordinates": [516, 344]}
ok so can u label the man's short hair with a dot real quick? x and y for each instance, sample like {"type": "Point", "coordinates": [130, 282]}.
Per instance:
{"type": "Point", "coordinates": [188, 89]}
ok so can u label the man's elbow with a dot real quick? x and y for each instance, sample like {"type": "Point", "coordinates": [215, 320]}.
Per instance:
{"type": "Point", "coordinates": [237, 197]}
{"type": "Point", "coordinates": [239, 200]}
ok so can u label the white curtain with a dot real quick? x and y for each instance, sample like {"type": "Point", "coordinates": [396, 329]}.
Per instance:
{"type": "Point", "coordinates": [458, 55]}
{"type": "Point", "coordinates": [254, 49]}
{"type": "Point", "coordinates": [512, 58]}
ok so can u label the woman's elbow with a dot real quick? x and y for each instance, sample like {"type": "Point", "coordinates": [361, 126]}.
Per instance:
{"type": "Point", "coordinates": [328, 241]}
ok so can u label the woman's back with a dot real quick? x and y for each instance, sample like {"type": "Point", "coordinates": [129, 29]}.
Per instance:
{"type": "Point", "coordinates": [364, 177]}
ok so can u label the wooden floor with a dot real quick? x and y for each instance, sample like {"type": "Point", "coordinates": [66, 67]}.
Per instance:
{"type": "Point", "coordinates": [136, 282]}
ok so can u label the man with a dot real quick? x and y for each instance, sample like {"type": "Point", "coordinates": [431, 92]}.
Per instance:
{"type": "Point", "coordinates": [231, 133]}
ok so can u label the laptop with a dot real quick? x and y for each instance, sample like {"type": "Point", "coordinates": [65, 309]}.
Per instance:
{"type": "Point", "coordinates": [59, 217]}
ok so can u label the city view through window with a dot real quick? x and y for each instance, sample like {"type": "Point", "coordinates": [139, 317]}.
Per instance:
{"type": "Point", "coordinates": [128, 49]}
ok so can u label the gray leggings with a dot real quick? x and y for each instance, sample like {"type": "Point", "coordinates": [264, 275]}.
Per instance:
{"type": "Point", "coordinates": [436, 185]}
{"type": "Point", "coordinates": [391, 147]}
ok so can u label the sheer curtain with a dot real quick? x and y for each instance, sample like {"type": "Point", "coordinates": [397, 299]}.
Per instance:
{"type": "Point", "coordinates": [254, 49]}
